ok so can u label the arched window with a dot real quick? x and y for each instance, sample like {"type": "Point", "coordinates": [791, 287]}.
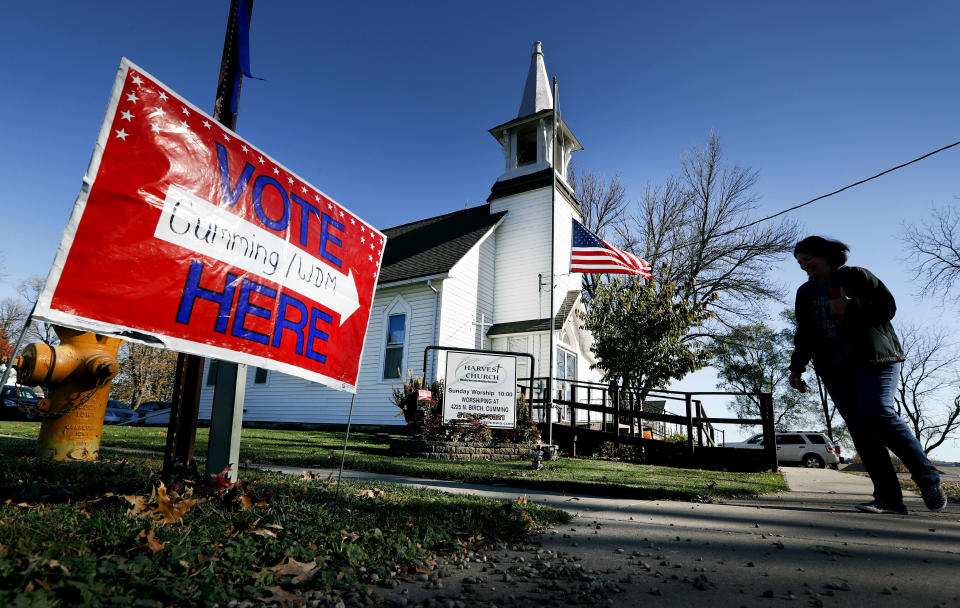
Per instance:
{"type": "Point", "coordinates": [396, 330]}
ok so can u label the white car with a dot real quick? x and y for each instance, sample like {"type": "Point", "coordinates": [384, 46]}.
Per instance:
{"type": "Point", "coordinates": [806, 448]}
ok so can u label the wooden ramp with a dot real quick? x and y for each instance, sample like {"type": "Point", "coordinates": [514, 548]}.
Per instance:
{"type": "Point", "coordinates": [665, 428]}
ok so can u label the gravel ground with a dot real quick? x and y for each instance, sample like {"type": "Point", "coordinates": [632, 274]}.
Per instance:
{"type": "Point", "coordinates": [808, 547]}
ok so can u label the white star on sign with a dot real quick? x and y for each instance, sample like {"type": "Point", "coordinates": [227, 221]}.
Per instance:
{"type": "Point", "coordinates": [370, 257]}
{"type": "Point", "coordinates": [163, 96]}
{"type": "Point", "coordinates": [183, 124]}
{"type": "Point", "coordinates": [289, 180]}
{"type": "Point", "coordinates": [316, 197]}
{"type": "Point", "coordinates": [155, 127]}
{"type": "Point", "coordinates": [206, 124]}
{"type": "Point", "coordinates": [132, 97]}
{"type": "Point", "coordinates": [122, 134]}
{"type": "Point", "coordinates": [371, 246]}
{"type": "Point", "coordinates": [374, 275]}
{"type": "Point", "coordinates": [185, 111]}
{"type": "Point", "coordinates": [303, 189]}
{"type": "Point", "coordinates": [363, 240]}
{"type": "Point", "coordinates": [245, 148]}
{"type": "Point", "coordinates": [136, 80]}
{"type": "Point", "coordinates": [260, 158]}
{"type": "Point", "coordinates": [226, 137]}
{"type": "Point", "coordinates": [363, 228]}
{"type": "Point", "coordinates": [276, 171]}
{"type": "Point", "coordinates": [126, 115]}
{"type": "Point", "coordinates": [341, 212]}
{"type": "Point", "coordinates": [329, 205]}
{"type": "Point", "coordinates": [352, 221]}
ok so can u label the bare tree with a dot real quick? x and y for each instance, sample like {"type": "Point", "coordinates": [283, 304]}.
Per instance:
{"type": "Point", "coordinates": [146, 374]}
{"type": "Point", "coordinates": [13, 314]}
{"type": "Point", "coordinates": [927, 392]}
{"type": "Point", "coordinates": [39, 331]}
{"type": "Point", "coordinates": [696, 231]}
{"type": "Point", "coordinates": [933, 251]}
{"type": "Point", "coordinates": [603, 202]}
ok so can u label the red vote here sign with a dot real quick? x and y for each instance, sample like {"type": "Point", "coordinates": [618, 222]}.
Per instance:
{"type": "Point", "coordinates": [188, 237]}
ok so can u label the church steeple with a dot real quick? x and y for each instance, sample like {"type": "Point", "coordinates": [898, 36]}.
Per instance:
{"type": "Point", "coordinates": [528, 141]}
{"type": "Point", "coordinates": [537, 93]}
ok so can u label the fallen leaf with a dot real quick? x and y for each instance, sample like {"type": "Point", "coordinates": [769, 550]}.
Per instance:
{"type": "Point", "coordinates": [138, 504]}
{"type": "Point", "coordinates": [220, 481]}
{"type": "Point", "coordinates": [309, 476]}
{"type": "Point", "coordinates": [245, 501]}
{"type": "Point", "coordinates": [522, 500]}
{"type": "Point", "coordinates": [349, 536]}
{"type": "Point", "coordinates": [371, 493]}
{"type": "Point", "coordinates": [171, 507]}
{"type": "Point", "coordinates": [150, 542]}
{"type": "Point", "coordinates": [265, 532]}
{"type": "Point", "coordinates": [52, 563]}
{"type": "Point", "coordinates": [300, 571]}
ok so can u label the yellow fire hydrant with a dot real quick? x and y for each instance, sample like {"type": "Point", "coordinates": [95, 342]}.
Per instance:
{"type": "Point", "coordinates": [76, 375]}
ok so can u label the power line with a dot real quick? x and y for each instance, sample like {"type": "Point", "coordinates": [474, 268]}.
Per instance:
{"type": "Point", "coordinates": [821, 197]}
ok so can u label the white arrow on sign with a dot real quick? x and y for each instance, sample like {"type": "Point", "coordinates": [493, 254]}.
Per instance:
{"type": "Point", "coordinates": [191, 222]}
{"type": "Point", "coordinates": [339, 290]}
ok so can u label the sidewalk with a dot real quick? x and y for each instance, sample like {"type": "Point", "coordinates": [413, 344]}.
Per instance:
{"type": "Point", "coordinates": [805, 547]}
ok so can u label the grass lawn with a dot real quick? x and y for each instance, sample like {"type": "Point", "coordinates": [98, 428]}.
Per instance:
{"type": "Point", "coordinates": [370, 452]}
{"type": "Point", "coordinates": [108, 534]}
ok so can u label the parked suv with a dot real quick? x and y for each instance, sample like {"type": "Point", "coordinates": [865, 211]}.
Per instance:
{"type": "Point", "coordinates": [806, 448]}
{"type": "Point", "coordinates": [12, 397]}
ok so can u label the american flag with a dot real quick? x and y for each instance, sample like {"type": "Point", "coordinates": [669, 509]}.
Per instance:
{"type": "Point", "coordinates": [591, 254]}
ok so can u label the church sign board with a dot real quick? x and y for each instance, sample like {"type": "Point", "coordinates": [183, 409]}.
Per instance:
{"type": "Point", "coordinates": [483, 385]}
{"type": "Point", "coordinates": [186, 236]}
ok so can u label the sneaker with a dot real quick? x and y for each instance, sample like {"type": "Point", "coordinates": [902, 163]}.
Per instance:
{"type": "Point", "coordinates": [934, 497]}
{"type": "Point", "coordinates": [878, 506]}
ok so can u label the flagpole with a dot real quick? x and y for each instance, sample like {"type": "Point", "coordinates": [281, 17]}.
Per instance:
{"type": "Point", "coordinates": [553, 236]}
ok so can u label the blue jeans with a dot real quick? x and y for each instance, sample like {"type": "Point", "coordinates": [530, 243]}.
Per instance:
{"type": "Point", "coordinates": [864, 397]}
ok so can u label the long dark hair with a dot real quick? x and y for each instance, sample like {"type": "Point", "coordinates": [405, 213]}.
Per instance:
{"type": "Point", "coordinates": [831, 250]}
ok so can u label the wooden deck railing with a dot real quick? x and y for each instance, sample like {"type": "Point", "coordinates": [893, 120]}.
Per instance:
{"type": "Point", "coordinates": [623, 414]}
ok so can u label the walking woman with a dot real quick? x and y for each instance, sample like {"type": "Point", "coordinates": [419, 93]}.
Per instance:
{"type": "Point", "coordinates": [843, 325]}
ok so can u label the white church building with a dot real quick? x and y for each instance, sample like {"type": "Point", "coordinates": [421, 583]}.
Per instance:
{"type": "Point", "coordinates": [475, 278]}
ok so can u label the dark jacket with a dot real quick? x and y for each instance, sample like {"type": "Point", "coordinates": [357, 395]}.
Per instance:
{"type": "Point", "coordinates": [866, 321]}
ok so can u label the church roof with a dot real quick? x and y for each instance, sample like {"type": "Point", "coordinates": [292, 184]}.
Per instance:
{"type": "Point", "coordinates": [432, 246]}
{"type": "Point", "coordinates": [522, 327]}
{"type": "Point", "coordinates": [536, 93]}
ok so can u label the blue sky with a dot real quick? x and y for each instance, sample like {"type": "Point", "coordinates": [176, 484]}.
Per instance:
{"type": "Point", "coordinates": [386, 106]}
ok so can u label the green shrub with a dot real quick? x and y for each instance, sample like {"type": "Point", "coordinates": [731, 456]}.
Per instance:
{"type": "Point", "coordinates": [425, 417]}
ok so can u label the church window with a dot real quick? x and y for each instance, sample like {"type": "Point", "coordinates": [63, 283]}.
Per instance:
{"type": "Point", "coordinates": [519, 345]}
{"type": "Point", "coordinates": [527, 146]}
{"type": "Point", "coordinates": [393, 354]}
{"type": "Point", "coordinates": [566, 365]}
{"type": "Point", "coordinates": [566, 370]}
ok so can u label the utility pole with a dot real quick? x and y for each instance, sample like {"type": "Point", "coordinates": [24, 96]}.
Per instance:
{"type": "Point", "coordinates": [231, 377]}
